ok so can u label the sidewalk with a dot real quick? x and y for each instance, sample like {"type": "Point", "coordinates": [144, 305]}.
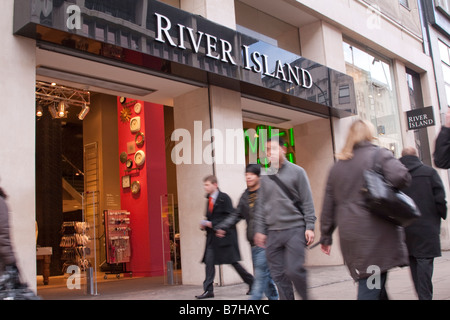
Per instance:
{"type": "Point", "coordinates": [325, 283]}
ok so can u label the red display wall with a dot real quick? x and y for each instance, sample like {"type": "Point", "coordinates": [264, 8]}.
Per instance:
{"type": "Point", "coordinates": [147, 258]}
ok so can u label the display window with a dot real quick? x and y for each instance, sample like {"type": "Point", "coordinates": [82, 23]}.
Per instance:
{"type": "Point", "coordinates": [96, 183]}
{"type": "Point", "coordinates": [375, 93]}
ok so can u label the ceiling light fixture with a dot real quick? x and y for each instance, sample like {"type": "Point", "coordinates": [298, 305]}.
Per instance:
{"type": "Point", "coordinates": [83, 112]}
{"type": "Point", "coordinates": [60, 98]}
{"type": "Point", "coordinates": [39, 111]}
{"type": "Point", "coordinates": [52, 110]}
{"type": "Point", "coordinates": [62, 109]}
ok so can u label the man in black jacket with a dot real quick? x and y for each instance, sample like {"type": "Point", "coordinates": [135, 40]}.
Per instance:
{"type": "Point", "coordinates": [442, 150]}
{"type": "Point", "coordinates": [263, 283]}
{"type": "Point", "coordinates": [422, 237]}
{"type": "Point", "coordinates": [219, 250]}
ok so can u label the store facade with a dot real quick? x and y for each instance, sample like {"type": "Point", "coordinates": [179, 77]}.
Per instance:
{"type": "Point", "coordinates": [170, 83]}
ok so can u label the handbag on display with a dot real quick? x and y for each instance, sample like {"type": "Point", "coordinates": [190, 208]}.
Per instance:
{"type": "Point", "coordinates": [386, 201]}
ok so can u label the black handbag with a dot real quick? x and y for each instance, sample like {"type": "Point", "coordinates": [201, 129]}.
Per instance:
{"type": "Point", "coordinates": [386, 201]}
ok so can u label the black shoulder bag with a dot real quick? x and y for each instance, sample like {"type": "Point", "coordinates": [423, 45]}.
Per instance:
{"type": "Point", "coordinates": [386, 201]}
{"type": "Point", "coordinates": [283, 187]}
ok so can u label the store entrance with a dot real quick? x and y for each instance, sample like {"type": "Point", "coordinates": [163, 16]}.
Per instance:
{"type": "Point", "coordinates": [92, 225]}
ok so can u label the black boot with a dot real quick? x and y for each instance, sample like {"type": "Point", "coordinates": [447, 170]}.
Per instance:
{"type": "Point", "coordinates": [206, 294]}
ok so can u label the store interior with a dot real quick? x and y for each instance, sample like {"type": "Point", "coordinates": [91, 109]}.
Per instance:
{"type": "Point", "coordinates": [82, 172]}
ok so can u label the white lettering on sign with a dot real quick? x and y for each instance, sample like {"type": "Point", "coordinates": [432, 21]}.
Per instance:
{"type": "Point", "coordinates": [419, 121]}
{"type": "Point", "coordinates": [215, 48]}
{"type": "Point", "coordinates": [286, 72]}
{"type": "Point", "coordinates": [220, 49]}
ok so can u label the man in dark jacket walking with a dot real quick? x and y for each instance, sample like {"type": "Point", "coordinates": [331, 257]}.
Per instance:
{"type": "Point", "coordinates": [442, 150]}
{"type": "Point", "coordinates": [263, 283]}
{"type": "Point", "coordinates": [219, 250]}
{"type": "Point", "coordinates": [422, 237]}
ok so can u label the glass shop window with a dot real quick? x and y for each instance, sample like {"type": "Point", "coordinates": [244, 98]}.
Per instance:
{"type": "Point", "coordinates": [375, 93]}
{"type": "Point", "coordinates": [444, 52]}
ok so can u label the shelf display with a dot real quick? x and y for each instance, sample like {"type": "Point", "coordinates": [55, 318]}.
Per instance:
{"type": "Point", "coordinates": [117, 230]}
{"type": "Point", "coordinates": [74, 244]}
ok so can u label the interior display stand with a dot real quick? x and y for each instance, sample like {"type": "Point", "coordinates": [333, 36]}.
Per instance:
{"type": "Point", "coordinates": [118, 249]}
{"type": "Point", "coordinates": [74, 245]}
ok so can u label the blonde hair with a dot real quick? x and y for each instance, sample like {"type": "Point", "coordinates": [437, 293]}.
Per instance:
{"type": "Point", "coordinates": [360, 131]}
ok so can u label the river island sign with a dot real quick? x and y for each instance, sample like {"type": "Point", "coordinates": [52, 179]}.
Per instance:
{"type": "Point", "coordinates": [420, 118]}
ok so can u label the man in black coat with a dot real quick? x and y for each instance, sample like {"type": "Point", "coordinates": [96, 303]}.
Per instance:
{"type": "Point", "coordinates": [422, 237]}
{"type": "Point", "coordinates": [442, 150]}
{"type": "Point", "coordinates": [219, 250]}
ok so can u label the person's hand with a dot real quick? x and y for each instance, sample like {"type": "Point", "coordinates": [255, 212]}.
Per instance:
{"type": "Point", "coordinates": [205, 224]}
{"type": "Point", "coordinates": [325, 248]}
{"type": "Point", "coordinates": [220, 233]}
{"type": "Point", "coordinates": [309, 236]}
{"type": "Point", "coordinates": [447, 118]}
{"type": "Point", "coordinates": [260, 240]}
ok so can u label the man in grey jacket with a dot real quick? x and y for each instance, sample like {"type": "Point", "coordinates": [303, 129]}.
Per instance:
{"type": "Point", "coordinates": [285, 225]}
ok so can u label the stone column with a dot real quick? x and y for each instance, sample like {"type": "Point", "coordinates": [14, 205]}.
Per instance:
{"type": "Point", "coordinates": [195, 113]}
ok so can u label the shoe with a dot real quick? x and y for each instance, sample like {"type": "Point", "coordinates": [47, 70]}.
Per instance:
{"type": "Point", "coordinates": [249, 292]}
{"type": "Point", "coordinates": [206, 294]}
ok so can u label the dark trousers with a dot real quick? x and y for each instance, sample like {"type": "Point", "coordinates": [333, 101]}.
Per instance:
{"type": "Point", "coordinates": [422, 273]}
{"type": "Point", "coordinates": [285, 254]}
{"type": "Point", "coordinates": [210, 271]}
{"type": "Point", "coordinates": [373, 291]}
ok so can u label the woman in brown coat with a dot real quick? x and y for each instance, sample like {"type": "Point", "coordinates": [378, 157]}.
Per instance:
{"type": "Point", "coordinates": [370, 246]}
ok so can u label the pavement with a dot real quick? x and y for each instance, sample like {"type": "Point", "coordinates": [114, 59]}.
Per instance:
{"type": "Point", "coordinates": [325, 283]}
